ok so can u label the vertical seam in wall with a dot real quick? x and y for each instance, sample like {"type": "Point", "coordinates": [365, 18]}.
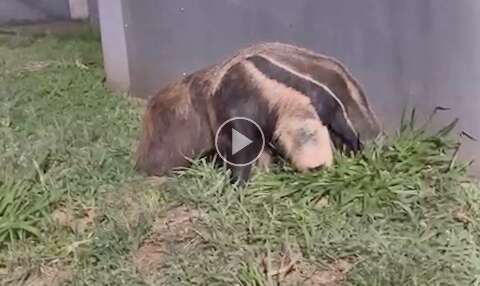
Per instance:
{"type": "Point", "coordinates": [69, 8]}
{"type": "Point", "coordinates": [125, 20]}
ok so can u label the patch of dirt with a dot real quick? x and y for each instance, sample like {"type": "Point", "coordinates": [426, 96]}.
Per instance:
{"type": "Point", "coordinates": [136, 203]}
{"type": "Point", "coordinates": [130, 208]}
{"type": "Point", "coordinates": [334, 274]}
{"type": "Point", "coordinates": [171, 233]}
{"type": "Point", "coordinates": [289, 268]}
{"type": "Point", "coordinates": [35, 66]}
{"type": "Point", "coordinates": [45, 275]}
{"type": "Point", "coordinates": [321, 202]}
{"type": "Point", "coordinates": [48, 276]}
{"type": "Point", "coordinates": [81, 223]}
{"type": "Point", "coordinates": [461, 215]}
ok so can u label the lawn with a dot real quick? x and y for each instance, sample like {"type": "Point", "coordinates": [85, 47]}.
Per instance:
{"type": "Point", "coordinates": [73, 211]}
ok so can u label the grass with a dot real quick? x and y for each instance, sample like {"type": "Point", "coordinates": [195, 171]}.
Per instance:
{"type": "Point", "coordinates": [72, 211]}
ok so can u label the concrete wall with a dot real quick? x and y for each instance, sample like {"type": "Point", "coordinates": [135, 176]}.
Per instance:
{"type": "Point", "coordinates": [28, 11]}
{"type": "Point", "coordinates": [34, 11]}
{"type": "Point", "coordinates": [115, 57]}
{"type": "Point", "coordinates": [93, 14]}
{"type": "Point", "coordinates": [404, 52]}
{"type": "Point", "coordinates": [78, 9]}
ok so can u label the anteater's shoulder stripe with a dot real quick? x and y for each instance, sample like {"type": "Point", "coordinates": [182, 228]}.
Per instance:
{"type": "Point", "coordinates": [218, 72]}
{"type": "Point", "coordinates": [273, 63]}
{"type": "Point", "coordinates": [320, 95]}
{"type": "Point", "coordinates": [260, 57]}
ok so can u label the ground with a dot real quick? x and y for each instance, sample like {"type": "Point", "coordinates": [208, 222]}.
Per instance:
{"type": "Point", "coordinates": [73, 211]}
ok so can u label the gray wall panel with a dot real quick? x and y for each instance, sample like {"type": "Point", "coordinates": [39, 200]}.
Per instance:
{"type": "Point", "coordinates": [93, 14]}
{"type": "Point", "coordinates": [26, 11]}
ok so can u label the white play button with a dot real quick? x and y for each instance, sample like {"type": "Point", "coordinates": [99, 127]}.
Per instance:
{"type": "Point", "coordinates": [234, 146]}
{"type": "Point", "coordinates": [239, 141]}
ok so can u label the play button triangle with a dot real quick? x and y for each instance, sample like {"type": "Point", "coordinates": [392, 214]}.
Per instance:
{"type": "Point", "coordinates": [229, 141]}
{"type": "Point", "coordinates": [239, 141]}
